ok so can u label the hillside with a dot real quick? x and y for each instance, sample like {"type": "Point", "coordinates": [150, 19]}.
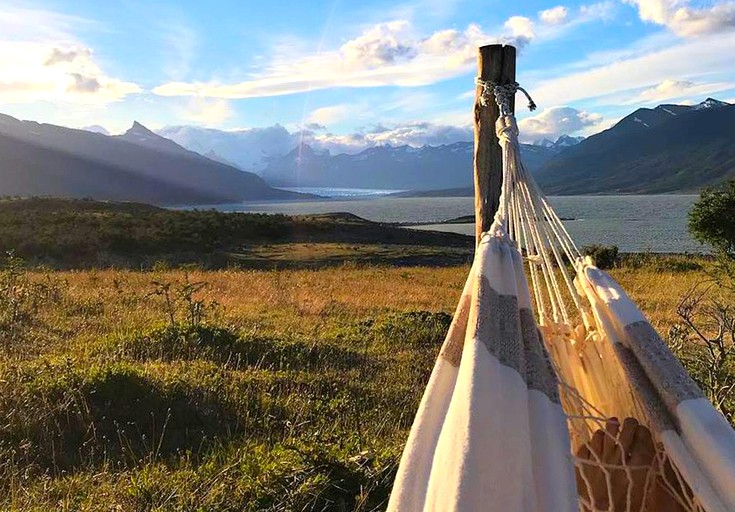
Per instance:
{"type": "Point", "coordinates": [67, 233]}
{"type": "Point", "coordinates": [671, 148]}
{"type": "Point", "coordinates": [48, 160]}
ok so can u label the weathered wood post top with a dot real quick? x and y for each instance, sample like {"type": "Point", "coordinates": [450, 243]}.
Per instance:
{"type": "Point", "coordinates": [496, 63]}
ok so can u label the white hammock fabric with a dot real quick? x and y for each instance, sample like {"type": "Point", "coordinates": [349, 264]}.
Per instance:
{"type": "Point", "coordinates": [516, 402]}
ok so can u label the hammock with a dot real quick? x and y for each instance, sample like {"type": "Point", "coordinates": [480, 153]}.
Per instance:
{"type": "Point", "coordinates": [516, 416]}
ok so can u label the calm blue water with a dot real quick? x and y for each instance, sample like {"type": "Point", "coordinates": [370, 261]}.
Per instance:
{"type": "Point", "coordinates": [342, 193]}
{"type": "Point", "coordinates": [633, 223]}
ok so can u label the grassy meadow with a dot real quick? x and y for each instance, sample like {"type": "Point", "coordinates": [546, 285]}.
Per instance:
{"type": "Point", "coordinates": [289, 388]}
{"type": "Point", "coordinates": [228, 390]}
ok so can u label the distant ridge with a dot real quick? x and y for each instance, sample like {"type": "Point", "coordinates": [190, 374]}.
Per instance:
{"type": "Point", "coordinates": [387, 167]}
{"type": "Point", "coordinates": [670, 148]}
{"type": "Point", "coordinates": [47, 160]}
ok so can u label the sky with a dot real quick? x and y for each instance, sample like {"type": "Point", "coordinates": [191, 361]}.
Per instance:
{"type": "Point", "coordinates": [350, 74]}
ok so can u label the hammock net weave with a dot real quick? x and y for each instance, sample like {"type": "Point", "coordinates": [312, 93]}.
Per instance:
{"type": "Point", "coordinates": [552, 392]}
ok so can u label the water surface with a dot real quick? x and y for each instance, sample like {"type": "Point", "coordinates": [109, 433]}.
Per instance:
{"type": "Point", "coordinates": [633, 223]}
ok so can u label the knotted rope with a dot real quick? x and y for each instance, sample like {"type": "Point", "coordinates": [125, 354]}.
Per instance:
{"type": "Point", "coordinates": [502, 94]}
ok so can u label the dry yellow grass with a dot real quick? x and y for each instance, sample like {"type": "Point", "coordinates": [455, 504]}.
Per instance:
{"type": "Point", "coordinates": [302, 301]}
{"type": "Point", "coordinates": [293, 375]}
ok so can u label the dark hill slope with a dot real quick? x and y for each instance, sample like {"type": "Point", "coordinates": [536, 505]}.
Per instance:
{"type": "Point", "coordinates": [43, 159]}
{"type": "Point", "coordinates": [672, 148]}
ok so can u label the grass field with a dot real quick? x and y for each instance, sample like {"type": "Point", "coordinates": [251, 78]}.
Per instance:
{"type": "Point", "coordinates": [230, 390]}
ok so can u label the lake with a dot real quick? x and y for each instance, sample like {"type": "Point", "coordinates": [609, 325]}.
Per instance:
{"type": "Point", "coordinates": [633, 223]}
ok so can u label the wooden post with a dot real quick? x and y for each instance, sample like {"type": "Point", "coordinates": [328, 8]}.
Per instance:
{"type": "Point", "coordinates": [495, 63]}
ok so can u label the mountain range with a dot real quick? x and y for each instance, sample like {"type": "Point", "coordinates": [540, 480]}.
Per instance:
{"type": "Point", "coordinates": [249, 149]}
{"type": "Point", "coordinates": [139, 165]}
{"type": "Point", "coordinates": [387, 167]}
{"type": "Point", "coordinates": [670, 148]}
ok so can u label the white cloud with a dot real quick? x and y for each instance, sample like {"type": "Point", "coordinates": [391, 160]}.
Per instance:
{"type": "Point", "coordinates": [686, 21]}
{"type": "Point", "coordinates": [416, 134]}
{"type": "Point", "coordinates": [623, 78]}
{"type": "Point", "coordinates": [554, 16]}
{"type": "Point", "coordinates": [84, 84]}
{"type": "Point", "coordinates": [380, 45]}
{"type": "Point", "coordinates": [180, 43]}
{"type": "Point", "coordinates": [334, 114]}
{"type": "Point", "coordinates": [384, 54]}
{"type": "Point", "coordinates": [40, 60]}
{"type": "Point", "coordinates": [252, 148]}
{"type": "Point", "coordinates": [598, 11]}
{"type": "Point", "coordinates": [521, 28]}
{"type": "Point", "coordinates": [207, 112]}
{"type": "Point", "coordinates": [59, 55]}
{"type": "Point", "coordinates": [556, 121]}
{"type": "Point", "coordinates": [672, 89]}
{"type": "Point", "coordinates": [668, 89]}
{"type": "Point", "coordinates": [560, 20]}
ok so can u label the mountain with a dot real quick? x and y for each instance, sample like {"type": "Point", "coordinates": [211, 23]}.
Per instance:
{"type": "Point", "coordinates": [212, 155]}
{"type": "Point", "coordinates": [43, 159]}
{"type": "Point", "coordinates": [566, 141]}
{"type": "Point", "coordinates": [250, 149]}
{"type": "Point", "coordinates": [670, 148]}
{"type": "Point", "coordinates": [387, 167]}
{"type": "Point", "coordinates": [562, 142]}
{"type": "Point", "coordinates": [95, 128]}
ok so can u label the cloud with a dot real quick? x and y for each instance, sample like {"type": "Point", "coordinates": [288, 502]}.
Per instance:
{"type": "Point", "coordinates": [315, 127]}
{"type": "Point", "coordinates": [416, 134]}
{"type": "Point", "coordinates": [207, 112]}
{"type": "Point", "coordinates": [554, 16]}
{"type": "Point", "coordinates": [84, 84]}
{"type": "Point", "coordinates": [556, 22]}
{"type": "Point", "coordinates": [180, 43]}
{"type": "Point", "coordinates": [252, 148]}
{"type": "Point", "coordinates": [42, 60]}
{"type": "Point", "coordinates": [334, 114]}
{"type": "Point", "coordinates": [249, 148]}
{"type": "Point", "coordinates": [521, 28]}
{"type": "Point", "coordinates": [556, 121]}
{"type": "Point", "coordinates": [668, 89]}
{"type": "Point", "coordinates": [686, 21]}
{"type": "Point", "coordinates": [672, 89]}
{"type": "Point", "coordinates": [618, 81]}
{"type": "Point", "coordinates": [598, 11]}
{"type": "Point", "coordinates": [59, 55]}
{"type": "Point", "coordinates": [384, 54]}
{"type": "Point", "coordinates": [380, 45]}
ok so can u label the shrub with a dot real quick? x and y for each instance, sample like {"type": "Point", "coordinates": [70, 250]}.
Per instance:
{"type": "Point", "coordinates": [712, 218]}
{"type": "Point", "coordinates": [704, 341]}
{"type": "Point", "coordinates": [604, 256]}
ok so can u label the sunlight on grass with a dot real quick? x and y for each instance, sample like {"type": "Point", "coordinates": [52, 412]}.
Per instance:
{"type": "Point", "coordinates": [230, 390]}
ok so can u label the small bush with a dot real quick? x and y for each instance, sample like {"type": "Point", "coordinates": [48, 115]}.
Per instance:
{"type": "Point", "coordinates": [604, 256]}
{"type": "Point", "coordinates": [712, 218]}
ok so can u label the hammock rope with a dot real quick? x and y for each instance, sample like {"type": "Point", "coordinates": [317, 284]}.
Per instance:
{"type": "Point", "coordinates": [518, 414]}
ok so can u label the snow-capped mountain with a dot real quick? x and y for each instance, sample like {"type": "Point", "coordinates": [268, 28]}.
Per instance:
{"type": "Point", "coordinates": [564, 141]}
{"type": "Point", "coordinates": [669, 148]}
{"type": "Point", "coordinates": [250, 149]}
{"type": "Point", "coordinates": [386, 167]}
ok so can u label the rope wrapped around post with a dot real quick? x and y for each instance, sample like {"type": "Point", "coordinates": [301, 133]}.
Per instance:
{"type": "Point", "coordinates": [502, 94]}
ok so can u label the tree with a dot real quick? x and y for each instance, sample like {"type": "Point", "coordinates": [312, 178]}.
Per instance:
{"type": "Point", "coordinates": [712, 219]}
